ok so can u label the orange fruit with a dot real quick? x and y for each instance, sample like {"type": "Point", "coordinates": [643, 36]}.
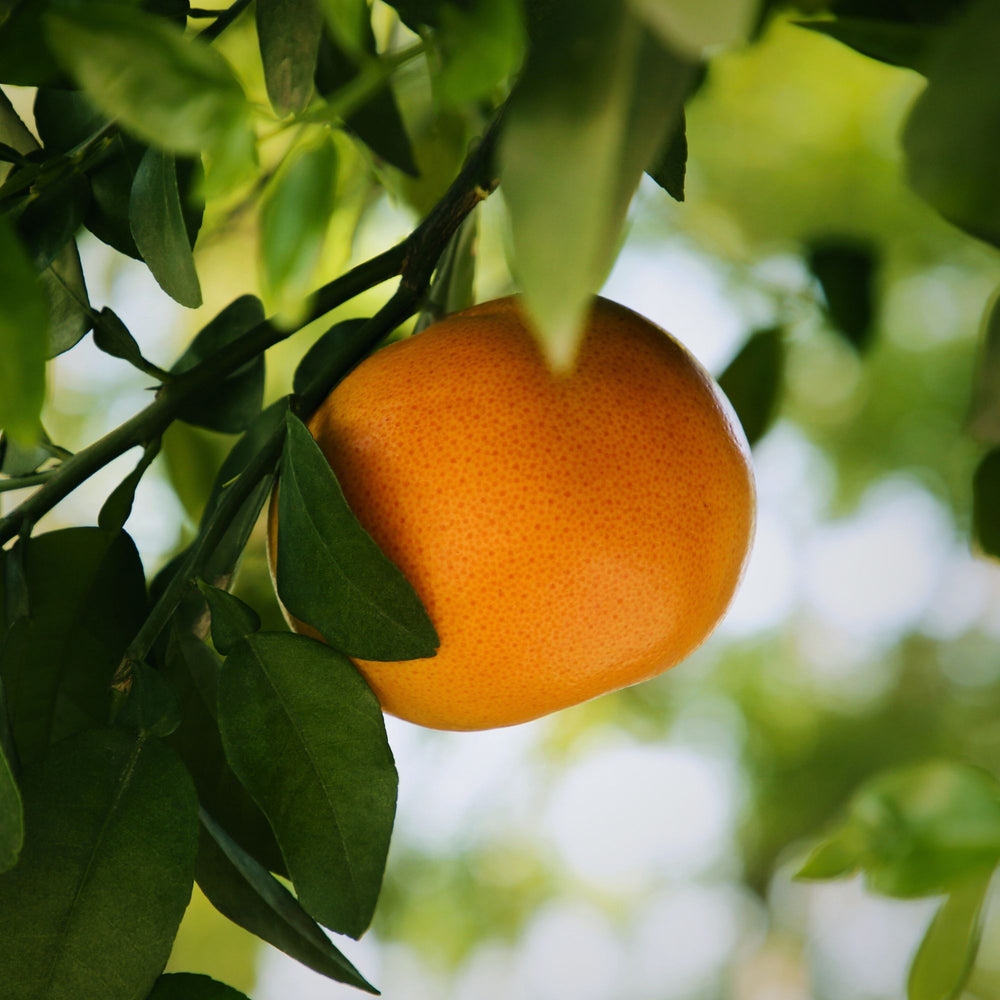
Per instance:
{"type": "Point", "coordinates": [569, 534]}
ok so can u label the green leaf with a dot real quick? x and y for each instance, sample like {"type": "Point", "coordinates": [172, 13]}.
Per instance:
{"type": "Point", "coordinates": [694, 25]}
{"type": "Point", "coordinates": [453, 286]}
{"type": "Point", "coordinates": [25, 59]}
{"type": "Point", "coordinates": [288, 32]}
{"type": "Point", "coordinates": [231, 405]}
{"type": "Point", "coordinates": [86, 601]}
{"type": "Point", "coordinates": [482, 44]}
{"type": "Point", "coordinates": [245, 892]}
{"type": "Point", "coordinates": [52, 217]}
{"type": "Point", "coordinates": [24, 321]}
{"type": "Point", "coordinates": [377, 122]}
{"type": "Point", "coordinates": [151, 706]}
{"type": "Point", "coordinates": [752, 381]}
{"type": "Point", "coordinates": [191, 986]}
{"type": "Point", "coordinates": [158, 228]}
{"type": "Point", "coordinates": [295, 714]}
{"type": "Point", "coordinates": [116, 509]}
{"type": "Point", "coordinates": [670, 166]}
{"type": "Point", "coordinates": [334, 353]}
{"type": "Point", "coordinates": [192, 669]}
{"type": "Point", "coordinates": [986, 504]}
{"type": "Point", "coordinates": [173, 92]}
{"type": "Point", "coordinates": [294, 215]}
{"type": "Point", "coordinates": [11, 816]}
{"type": "Point", "coordinates": [113, 337]}
{"type": "Point", "coordinates": [350, 23]}
{"type": "Point", "coordinates": [984, 419]}
{"type": "Point", "coordinates": [231, 618]}
{"type": "Point", "coordinates": [65, 291]}
{"type": "Point", "coordinates": [331, 574]}
{"type": "Point", "coordinates": [892, 42]}
{"type": "Point", "coordinates": [835, 857]}
{"type": "Point", "coordinates": [947, 953]}
{"type": "Point", "coordinates": [949, 161]}
{"type": "Point", "coordinates": [111, 835]}
{"type": "Point", "coordinates": [593, 105]}
{"type": "Point", "coordinates": [845, 269]}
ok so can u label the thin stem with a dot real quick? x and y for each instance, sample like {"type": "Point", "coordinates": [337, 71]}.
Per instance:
{"type": "Point", "coordinates": [23, 482]}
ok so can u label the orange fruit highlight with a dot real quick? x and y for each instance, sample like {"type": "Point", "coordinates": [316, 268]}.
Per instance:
{"type": "Point", "coordinates": [569, 534]}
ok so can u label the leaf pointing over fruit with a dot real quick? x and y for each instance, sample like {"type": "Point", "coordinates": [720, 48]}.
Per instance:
{"type": "Point", "coordinates": [330, 572]}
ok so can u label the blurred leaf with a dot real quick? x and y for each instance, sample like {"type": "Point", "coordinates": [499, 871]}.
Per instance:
{"type": "Point", "coordinates": [11, 816]}
{"type": "Point", "coordinates": [892, 42]}
{"type": "Point", "coordinates": [377, 122]}
{"type": "Point", "coordinates": [845, 269]}
{"type": "Point", "coordinates": [335, 352]}
{"type": "Point", "coordinates": [174, 92]}
{"type": "Point", "coordinates": [948, 160]}
{"type": "Point", "coordinates": [670, 166]}
{"type": "Point", "coordinates": [288, 32]}
{"type": "Point", "coordinates": [192, 669]}
{"type": "Point", "coordinates": [694, 25]}
{"type": "Point", "coordinates": [231, 618]}
{"type": "Point", "coordinates": [331, 574]}
{"type": "Point", "coordinates": [984, 419]}
{"type": "Point", "coordinates": [294, 215]}
{"type": "Point", "coordinates": [986, 504]}
{"type": "Point", "coordinates": [111, 834]}
{"type": "Point", "coordinates": [87, 599]}
{"type": "Point", "coordinates": [63, 286]}
{"type": "Point", "coordinates": [453, 286]}
{"type": "Point", "coordinates": [245, 892]}
{"type": "Point", "coordinates": [835, 857]}
{"type": "Point", "coordinates": [151, 707]}
{"type": "Point", "coordinates": [52, 216]}
{"type": "Point", "coordinates": [116, 509]}
{"type": "Point", "coordinates": [593, 104]}
{"type": "Point", "coordinates": [350, 23]}
{"type": "Point", "coordinates": [23, 341]}
{"type": "Point", "coordinates": [191, 986]}
{"type": "Point", "coordinates": [25, 59]}
{"type": "Point", "coordinates": [482, 44]}
{"type": "Point", "coordinates": [159, 230]}
{"type": "Point", "coordinates": [946, 955]}
{"type": "Point", "coordinates": [293, 710]}
{"type": "Point", "coordinates": [233, 403]}
{"type": "Point", "coordinates": [16, 460]}
{"type": "Point", "coordinates": [752, 381]}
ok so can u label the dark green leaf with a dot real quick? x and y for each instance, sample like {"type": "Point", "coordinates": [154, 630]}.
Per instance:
{"type": "Point", "coordinates": [752, 381]}
{"type": "Point", "coordinates": [330, 572]}
{"type": "Point", "coordinates": [294, 215]}
{"type": "Point", "coordinates": [221, 564]}
{"type": "Point", "coordinates": [159, 230]}
{"type": "Point", "coordinates": [25, 59]}
{"type": "Point", "coordinates": [231, 618]}
{"type": "Point", "coordinates": [949, 160]}
{"type": "Point", "coordinates": [113, 337]}
{"type": "Point", "coordinates": [482, 44]}
{"type": "Point", "coordinates": [593, 105]}
{"type": "Point", "coordinates": [52, 217]}
{"type": "Point", "coordinates": [65, 118]}
{"type": "Point", "coordinates": [171, 91]}
{"type": "Point", "coordinates": [86, 600]}
{"type": "Point", "coordinates": [890, 42]}
{"type": "Point", "coordinates": [245, 892]}
{"type": "Point", "coordinates": [378, 122]}
{"type": "Point", "coordinates": [24, 321]}
{"type": "Point", "coordinates": [335, 353]}
{"type": "Point", "coordinates": [64, 288]}
{"type": "Point", "coordinates": [693, 27]}
{"type": "Point", "coordinates": [289, 33]}
{"type": "Point", "coordinates": [946, 955]}
{"type": "Point", "coordinates": [984, 419]}
{"type": "Point", "coordinates": [350, 22]}
{"type": "Point", "coordinates": [11, 815]}
{"type": "Point", "coordinates": [151, 706]}
{"type": "Point", "coordinates": [191, 986]}
{"type": "Point", "coordinates": [670, 166]}
{"type": "Point", "coordinates": [231, 405]}
{"type": "Point", "coordinates": [295, 713]}
{"type": "Point", "coordinates": [986, 504]}
{"type": "Point", "coordinates": [192, 670]}
{"type": "Point", "coordinates": [845, 269]}
{"type": "Point", "coordinates": [111, 836]}
{"type": "Point", "coordinates": [453, 286]}
{"type": "Point", "coordinates": [116, 509]}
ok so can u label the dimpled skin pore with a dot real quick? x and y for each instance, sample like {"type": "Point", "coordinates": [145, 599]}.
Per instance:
{"type": "Point", "coordinates": [568, 534]}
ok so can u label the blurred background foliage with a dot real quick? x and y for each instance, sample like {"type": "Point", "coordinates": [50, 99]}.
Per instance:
{"type": "Point", "coordinates": [643, 845]}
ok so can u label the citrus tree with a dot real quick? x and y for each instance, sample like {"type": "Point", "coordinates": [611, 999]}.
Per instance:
{"type": "Point", "coordinates": [153, 733]}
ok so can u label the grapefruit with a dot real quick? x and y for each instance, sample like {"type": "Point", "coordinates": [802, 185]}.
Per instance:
{"type": "Point", "coordinates": [569, 534]}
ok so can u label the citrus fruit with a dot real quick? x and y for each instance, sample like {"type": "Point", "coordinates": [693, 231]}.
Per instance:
{"type": "Point", "coordinates": [569, 534]}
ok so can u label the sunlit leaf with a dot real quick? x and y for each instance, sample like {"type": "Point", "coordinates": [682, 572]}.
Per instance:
{"type": "Point", "coordinates": [695, 25]}
{"type": "Point", "coordinates": [295, 714]}
{"type": "Point", "coordinates": [110, 841]}
{"type": "Point", "coordinates": [330, 572]}
{"type": "Point", "coordinates": [893, 42]}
